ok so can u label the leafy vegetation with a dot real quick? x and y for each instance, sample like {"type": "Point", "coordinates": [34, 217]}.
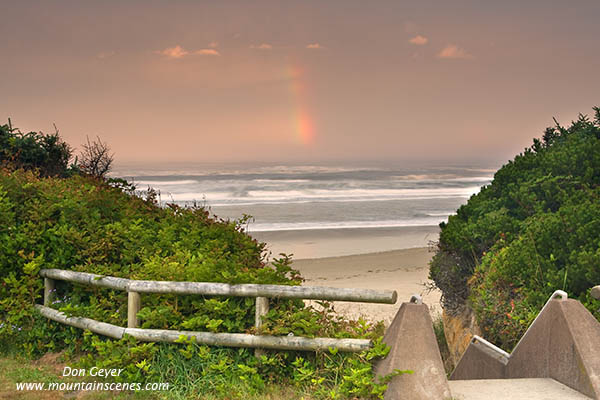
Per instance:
{"type": "Point", "coordinates": [48, 154]}
{"type": "Point", "coordinates": [86, 223]}
{"type": "Point", "coordinates": [533, 230]}
{"type": "Point", "coordinates": [440, 337]}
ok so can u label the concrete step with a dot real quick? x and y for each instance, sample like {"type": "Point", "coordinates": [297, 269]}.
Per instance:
{"type": "Point", "coordinates": [513, 389]}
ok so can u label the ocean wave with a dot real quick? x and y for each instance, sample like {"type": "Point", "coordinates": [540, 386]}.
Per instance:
{"type": "Point", "coordinates": [299, 226]}
{"type": "Point", "coordinates": [293, 196]}
{"type": "Point", "coordinates": [316, 197]}
{"type": "Point", "coordinates": [441, 178]}
{"type": "Point", "coordinates": [160, 183]}
{"type": "Point", "coordinates": [203, 171]}
{"type": "Point", "coordinates": [280, 181]}
{"type": "Point", "coordinates": [472, 179]}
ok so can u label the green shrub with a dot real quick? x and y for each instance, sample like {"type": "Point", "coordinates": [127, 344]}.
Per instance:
{"type": "Point", "coordinates": [92, 225]}
{"type": "Point", "coordinates": [48, 154]}
{"type": "Point", "coordinates": [533, 230]}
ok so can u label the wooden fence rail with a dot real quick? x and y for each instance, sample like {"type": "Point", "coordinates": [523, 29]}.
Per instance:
{"type": "Point", "coordinates": [261, 292]}
{"type": "Point", "coordinates": [224, 289]}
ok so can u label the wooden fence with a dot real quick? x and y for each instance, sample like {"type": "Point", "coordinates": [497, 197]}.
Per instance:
{"type": "Point", "coordinates": [261, 292]}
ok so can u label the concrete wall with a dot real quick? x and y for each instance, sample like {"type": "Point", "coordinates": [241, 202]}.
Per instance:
{"type": "Point", "coordinates": [562, 344]}
{"type": "Point", "coordinates": [414, 347]}
{"type": "Point", "coordinates": [479, 362]}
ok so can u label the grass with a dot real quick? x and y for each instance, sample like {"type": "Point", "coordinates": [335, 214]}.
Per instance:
{"type": "Point", "coordinates": [49, 369]}
{"type": "Point", "coordinates": [438, 328]}
{"type": "Point", "coordinates": [196, 377]}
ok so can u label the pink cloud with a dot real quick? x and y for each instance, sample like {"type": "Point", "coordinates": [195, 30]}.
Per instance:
{"type": "Point", "coordinates": [263, 46]}
{"type": "Point", "coordinates": [207, 52]}
{"type": "Point", "coordinates": [314, 46]}
{"type": "Point", "coordinates": [419, 40]}
{"type": "Point", "coordinates": [104, 55]}
{"type": "Point", "coordinates": [453, 51]}
{"type": "Point", "coordinates": [179, 52]}
{"type": "Point", "coordinates": [174, 52]}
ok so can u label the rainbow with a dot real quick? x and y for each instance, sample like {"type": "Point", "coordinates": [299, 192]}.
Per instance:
{"type": "Point", "coordinates": [304, 128]}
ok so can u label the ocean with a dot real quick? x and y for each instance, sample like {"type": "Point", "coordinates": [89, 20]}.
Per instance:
{"type": "Point", "coordinates": [315, 197]}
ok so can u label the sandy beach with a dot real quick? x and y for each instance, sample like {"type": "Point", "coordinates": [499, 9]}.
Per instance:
{"type": "Point", "coordinates": [318, 243]}
{"type": "Point", "coordinates": [383, 258]}
{"type": "Point", "coordinates": [404, 270]}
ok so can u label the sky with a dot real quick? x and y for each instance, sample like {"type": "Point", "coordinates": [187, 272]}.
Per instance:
{"type": "Point", "coordinates": [299, 81]}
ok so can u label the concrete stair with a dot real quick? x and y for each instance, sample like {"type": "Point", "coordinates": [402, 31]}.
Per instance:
{"type": "Point", "coordinates": [562, 343]}
{"type": "Point", "coordinates": [513, 389]}
{"type": "Point", "coordinates": [557, 358]}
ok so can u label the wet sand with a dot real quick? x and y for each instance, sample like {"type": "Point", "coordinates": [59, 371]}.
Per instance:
{"type": "Point", "coordinates": [318, 243]}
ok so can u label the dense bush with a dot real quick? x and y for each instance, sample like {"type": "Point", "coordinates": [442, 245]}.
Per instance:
{"type": "Point", "coordinates": [48, 154]}
{"type": "Point", "coordinates": [88, 224]}
{"type": "Point", "coordinates": [533, 230]}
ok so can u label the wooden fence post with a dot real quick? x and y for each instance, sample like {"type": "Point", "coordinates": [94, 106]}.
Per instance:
{"type": "Point", "coordinates": [49, 291]}
{"type": "Point", "coordinates": [134, 303]}
{"type": "Point", "coordinates": [262, 308]}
